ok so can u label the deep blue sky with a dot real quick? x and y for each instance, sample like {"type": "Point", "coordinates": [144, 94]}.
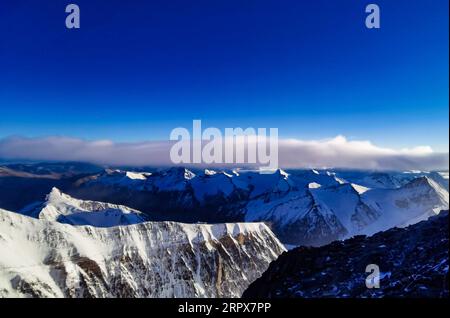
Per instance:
{"type": "Point", "coordinates": [137, 69]}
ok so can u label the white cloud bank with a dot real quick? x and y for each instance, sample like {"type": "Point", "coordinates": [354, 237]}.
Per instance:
{"type": "Point", "coordinates": [336, 152]}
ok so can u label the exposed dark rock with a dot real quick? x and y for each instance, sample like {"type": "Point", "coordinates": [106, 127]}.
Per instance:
{"type": "Point", "coordinates": [413, 262]}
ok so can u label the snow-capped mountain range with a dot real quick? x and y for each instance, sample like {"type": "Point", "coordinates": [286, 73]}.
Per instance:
{"type": "Point", "coordinates": [120, 233]}
{"type": "Point", "coordinates": [307, 207]}
{"type": "Point", "coordinates": [43, 257]}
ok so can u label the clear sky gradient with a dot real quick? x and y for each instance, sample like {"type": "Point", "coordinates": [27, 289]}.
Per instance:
{"type": "Point", "coordinates": [137, 69]}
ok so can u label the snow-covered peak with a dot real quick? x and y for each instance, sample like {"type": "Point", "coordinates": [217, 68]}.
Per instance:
{"type": "Point", "coordinates": [359, 188]}
{"type": "Point", "coordinates": [179, 172]}
{"type": "Point", "coordinates": [415, 171]}
{"type": "Point", "coordinates": [56, 195]}
{"type": "Point", "coordinates": [420, 182]}
{"type": "Point", "coordinates": [345, 203]}
{"type": "Point", "coordinates": [416, 201]}
{"type": "Point", "coordinates": [188, 174]}
{"type": "Point", "coordinates": [173, 179]}
{"type": "Point", "coordinates": [313, 185]}
{"type": "Point", "coordinates": [137, 175]}
{"type": "Point", "coordinates": [282, 173]}
{"type": "Point", "coordinates": [63, 208]}
{"type": "Point", "coordinates": [48, 259]}
{"type": "Point", "coordinates": [114, 178]}
{"type": "Point", "coordinates": [219, 183]}
{"type": "Point", "coordinates": [425, 185]}
{"type": "Point", "coordinates": [209, 172]}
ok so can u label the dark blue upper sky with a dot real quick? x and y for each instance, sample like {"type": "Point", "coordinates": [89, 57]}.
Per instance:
{"type": "Point", "coordinates": [137, 69]}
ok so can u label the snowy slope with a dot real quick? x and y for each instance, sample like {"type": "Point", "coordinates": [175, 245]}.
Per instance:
{"type": "Point", "coordinates": [389, 180]}
{"type": "Point", "coordinates": [212, 184]}
{"type": "Point", "coordinates": [412, 203]}
{"type": "Point", "coordinates": [296, 218]}
{"type": "Point", "coordinates": [261, 184]}
{"type": "Point", "coordinates": [320, 214]}
{"type": "Point", "coordinates": [304, 206]}
{"type": "Point", "coordinates": [383, 180]}
{"type": "Point", "coordinates": [173, 179]}
{"type": "Point", "coordinates": [345, 202]}
{"type": "Point", "coordinates": [40, 258]}
{"type": "Point", "coordinates": [325, 178]}
{"type": "Point", "coordinates": [119, 178]}
{"type": "Point", "coordinates": [65, 209]}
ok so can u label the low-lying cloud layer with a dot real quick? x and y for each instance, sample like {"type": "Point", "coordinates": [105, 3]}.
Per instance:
{"type": "Point", "coordinates": [336, 152]}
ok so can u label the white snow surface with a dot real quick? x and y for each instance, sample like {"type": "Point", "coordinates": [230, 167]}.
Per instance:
{"type": "Point", "coordinates": [347, 202]}
{"type": "Point", "coordinates": [65, 209]}
{"type": "Point", "coordinates": [412, 203]}
{"type": "Point", "coordinates": [358, 209]}
{"type": "Point", "coordinates": [137, 175]}
{"type": "Point", "coordinates": [41, 258]}
{"type": "Point", "coordinates": [314, 185]}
